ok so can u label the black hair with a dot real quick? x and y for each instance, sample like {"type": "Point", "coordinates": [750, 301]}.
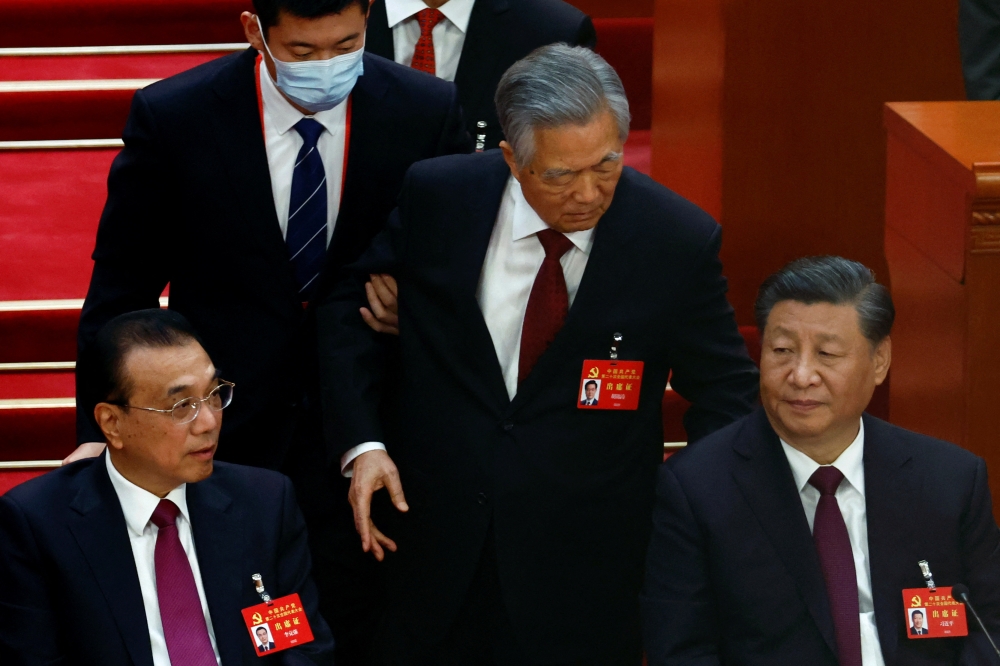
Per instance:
{"type": "Point", "coordinates": [268, 10]}
{"type": "Point", "coordinates": [102, 367]}
{"type": "Point", "coordinates": [833, 280]}
{"type": "Point", "coordinates": [588, 384]}
{"type": "Point", "coordinates": [916, 612]}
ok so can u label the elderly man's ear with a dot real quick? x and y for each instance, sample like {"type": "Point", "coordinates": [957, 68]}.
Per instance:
{"type": "Point", "coordinates": [108, 419]}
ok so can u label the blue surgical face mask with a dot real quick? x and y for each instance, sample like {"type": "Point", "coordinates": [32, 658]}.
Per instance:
{"type": "Point", "coordinates": [317, 85]}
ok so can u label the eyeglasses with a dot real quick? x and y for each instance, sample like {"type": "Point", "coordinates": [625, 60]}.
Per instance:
{"type": "Point", "coordinates": [187, 410]}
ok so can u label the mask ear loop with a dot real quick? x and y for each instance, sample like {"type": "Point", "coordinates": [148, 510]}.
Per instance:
{"type": "Point", "coordinates": [263, 39]}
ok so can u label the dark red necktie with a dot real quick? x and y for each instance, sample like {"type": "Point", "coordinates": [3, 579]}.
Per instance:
{"type": "Point", "coordinates": [423, 55]}
{"type": "Point", "coordinates": [183, 621]}
{"type": "Point", "coordinates": [833, 544]}
{"type": "Point", "coordinates": [547, 304]}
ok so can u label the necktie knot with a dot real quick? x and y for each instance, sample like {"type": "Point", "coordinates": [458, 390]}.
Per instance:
{"type": "Point", "coordinates": [826, 480]}
{"type": "Point", "coordinates": [165, 514]}
{"type": "Point", "coordinates": [309, 130]}
{"type": "Point", "coordinates": [555, 244]}
{"type": "Point", "coordinates": [428, 18]}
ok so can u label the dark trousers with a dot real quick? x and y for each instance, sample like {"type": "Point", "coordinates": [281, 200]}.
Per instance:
{"type": "Point", "coordinates": [350, 581]}
{"type": "Point", "coordinates": [482, 634]}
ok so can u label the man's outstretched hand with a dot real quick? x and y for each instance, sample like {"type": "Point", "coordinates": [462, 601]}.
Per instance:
{"type": "Point", "coordinates": [372, 471]}
{"type": "Point", "coordinates": [85, 450]}
{"type": "Point", "coordinates": [383, 317]}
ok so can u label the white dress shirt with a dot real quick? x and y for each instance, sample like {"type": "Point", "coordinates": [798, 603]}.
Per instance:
{"type": "Point", "coordinates": [283, 143]}
{"type": "Point", "coordinates": [851, 499]}
{"type": "Point", "coordinates": [448, 35]}
{"type": "Point", "coordinates": [138, 506]}
{"type": "Point", "coordinates": [513, 258]}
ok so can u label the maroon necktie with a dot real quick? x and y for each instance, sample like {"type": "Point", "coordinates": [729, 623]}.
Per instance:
{"type": "Point", "coordinates": [547, 304]}
{"type": "Point", "coordinates": [183, 621]}
{"type": "Point", "coordinates": [423, 54]}
{"type": "Point", "coordinates": [837, 559]}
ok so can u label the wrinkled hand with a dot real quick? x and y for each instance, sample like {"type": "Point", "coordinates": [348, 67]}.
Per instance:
{"type": "Point", "coordinates": [372, 471]}
{"type": "Point", "coordinates": [383, 315]}
{"type": "Point", "coordinates": [85, 450]}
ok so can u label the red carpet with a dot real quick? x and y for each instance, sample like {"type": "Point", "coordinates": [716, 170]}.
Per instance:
{"type": "Point", "coordinates": [50, 204]}
{"type": "Point", "coordinates": [111, 22]}
{"type": "Point", "coordinates": [67, 68]}
{"type": "Point", "coordinates": [19, 385]}
{"type": "Point", "coordinates": [11, 478]}
{"type": "Point", "coordinates": [36, 336]}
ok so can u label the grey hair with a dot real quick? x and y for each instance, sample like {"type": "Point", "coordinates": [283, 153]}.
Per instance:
{"type": "Point", "coordinates": [553, 86]}
{"type": "Point", "coordinates": [832, 280]}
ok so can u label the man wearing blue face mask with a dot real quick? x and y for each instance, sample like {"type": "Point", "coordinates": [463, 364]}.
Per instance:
{"type": "Point", "coordinates": [246, 184]}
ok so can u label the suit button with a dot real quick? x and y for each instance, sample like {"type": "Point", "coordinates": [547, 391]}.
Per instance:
{"type": "Point", "coordinates": [481, 498]}
{"type": "Point", "coordinates": [507, 426]}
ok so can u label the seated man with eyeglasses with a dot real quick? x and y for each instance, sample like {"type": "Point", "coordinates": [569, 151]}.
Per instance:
{"type": "Point", "coordinates": [145, 554]}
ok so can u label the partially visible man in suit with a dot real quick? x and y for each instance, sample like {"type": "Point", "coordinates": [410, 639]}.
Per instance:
{"type": "Point", "coordinates": [589, 394]}
{"type": "Point", "coordinates": [979, 39]}
{"type": "Point", "coordinates": [473, 42]}
{"type": "Point", "coordinates": [264, 642]}
{"type": "Point", "coordinates": [246, 184]}
{"type": "Point", "coordinates": [789, 537]}
{"type": "Point", "coordinates": [151, 546]}
{"type": "Point", "coordinates": [518, 270]}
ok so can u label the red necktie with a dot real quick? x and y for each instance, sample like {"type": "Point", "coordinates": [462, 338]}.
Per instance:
{"type": "Point", "coordinates": [423, 55]}
{"type": "Point", "coordinates": [183, 621]}
{"type": "Point", "coordinates": [833, 544]}
{"type": "Point", "coordinates": [547, 304]}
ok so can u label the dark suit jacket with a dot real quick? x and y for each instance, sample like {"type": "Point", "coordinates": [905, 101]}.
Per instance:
{"type": "Point", "coordinates": [500, 33]}
{"type": "Point", "coordinates": [919, 632]}
{"type": "Point", "coordinates": [568, 491]}
{"type": "Point", "coordinates": [979, 39]}
{"type": "Point", "coordinates": [261, 648]}
{"type": "Point", "coordinates": [190, 204]}
{"type": "Point", "coordinates": [733, 576]}
{"type": "Point", "coordinates": [69, 573]}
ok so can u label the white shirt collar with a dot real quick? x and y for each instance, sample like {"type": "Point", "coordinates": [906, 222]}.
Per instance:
{"type": "Point", "coordinates": [283, 116]}
{"type": "Point", "coordinates": [850, 463]}
{"type": "Point", "coordinates": [456, 11]}
{"type": "Point", "coordinates": [528, 223]}
{"type": "Point", "coordinates": [138, 504]}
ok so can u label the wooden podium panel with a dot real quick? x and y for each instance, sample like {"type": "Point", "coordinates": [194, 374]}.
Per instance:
{"type": "Point", "coordinates": [942, 243]}
{"type": "Point", "coordinates": [768, 114]}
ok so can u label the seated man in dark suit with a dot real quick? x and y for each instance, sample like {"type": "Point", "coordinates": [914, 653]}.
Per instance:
{"type": "Point", "coordinates": [276, 166]}
{"type": "Point", "coordinates": [473, 42]}
{"type": "Point", "coordinates": [518, 270]}
{"type": "Point", "coordinates": [789, 536]}
{"type": "Point", "coordinates": [151, 547]}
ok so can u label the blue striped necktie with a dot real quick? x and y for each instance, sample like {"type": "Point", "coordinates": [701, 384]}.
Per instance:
{"type": "Point", "coordinates": [307, 213]}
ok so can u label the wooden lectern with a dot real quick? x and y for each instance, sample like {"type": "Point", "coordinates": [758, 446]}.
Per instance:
{"type": "Point", "coordinates": [942, 243]}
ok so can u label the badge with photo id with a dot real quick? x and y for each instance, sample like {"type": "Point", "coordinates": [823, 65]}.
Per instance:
{"type": "Point", "coordinates": [276, 624]}
{"type": "Point", "coordinates": [610, 385]}
{"type": "Point", "coordinates": [933, 613]}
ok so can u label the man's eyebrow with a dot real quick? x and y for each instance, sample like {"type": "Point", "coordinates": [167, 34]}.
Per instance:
{"type": "Point", "coordinates": [349, 38]}
{"type": "Point", "coordinates": [556, 173]}
{"type": "Point", "coordinates": [174, 390]}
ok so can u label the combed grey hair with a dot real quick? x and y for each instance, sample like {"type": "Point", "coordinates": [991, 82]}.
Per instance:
{"type": "Point", "coordinates": [553, 86]}
{"type": "Point", "coordinates": [833, 280]}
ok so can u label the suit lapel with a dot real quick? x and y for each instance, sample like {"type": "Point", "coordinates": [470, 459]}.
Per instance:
{"type": "Point", "coordinates": [607, 266]}
{"type": "Point", "coordinates": [240, 147]}
{"type": "Point", "coordinates": [469, 254]}
{"type": "Point", "coordinates": [378, 35]}
{"type": "Point", "coordinates": [98, 525]}
{"type": "Point", "coordinates": [218, 537]}
{"type": "Point", "coordinates": [480, 55]}
{"type": "Point", "coordinates": [889, 495]}
{"type": "Point", "coordinates": [766, 481]}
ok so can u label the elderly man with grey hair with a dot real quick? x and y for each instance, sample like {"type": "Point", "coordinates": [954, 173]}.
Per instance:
{"type": "Point", "coordinates": [523, 273]}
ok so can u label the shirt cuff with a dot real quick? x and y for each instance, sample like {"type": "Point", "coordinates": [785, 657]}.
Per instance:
{"type": "Point", "coordinates": [347, 460]}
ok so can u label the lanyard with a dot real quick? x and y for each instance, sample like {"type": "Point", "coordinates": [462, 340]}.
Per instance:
{"type": "Point", "coordinates": [347, 125]}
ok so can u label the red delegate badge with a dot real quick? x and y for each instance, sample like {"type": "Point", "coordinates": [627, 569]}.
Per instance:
{"type": "Point", "coordinates": [933, 614]}
{"type": "Point", "coordinates": [610, 385]}
{"type": "Point", "coordinates": [278, 626]}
